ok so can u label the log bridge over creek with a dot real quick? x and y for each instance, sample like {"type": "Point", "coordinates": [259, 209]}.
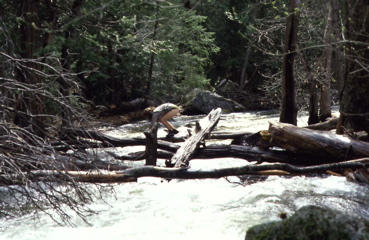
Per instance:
{"type": "Point", "coordinates": [283, 149]}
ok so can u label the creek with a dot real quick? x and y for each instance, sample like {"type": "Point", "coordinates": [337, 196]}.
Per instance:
{"type": "Point", "coordinates": [224, 208]}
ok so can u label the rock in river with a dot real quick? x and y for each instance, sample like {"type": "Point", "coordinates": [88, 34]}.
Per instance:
{"type": "Point", "coordinates": [205, 101]}
{"type": "Point", "coordinates": [313, 222]}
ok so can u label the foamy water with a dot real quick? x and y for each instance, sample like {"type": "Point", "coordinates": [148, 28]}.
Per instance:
{"type": "Point", "coordinates": [153, 208]}
{"type": "Point", "coordinates": [197, 209]}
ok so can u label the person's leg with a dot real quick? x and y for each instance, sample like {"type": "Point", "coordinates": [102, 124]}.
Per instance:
{"type": "Point", "coordinates": [167, 116]}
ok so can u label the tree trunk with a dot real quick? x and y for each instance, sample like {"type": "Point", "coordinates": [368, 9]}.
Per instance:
{"type": "Point", "coordinates": [30, 105]}
{"type": "Point", "coordinates": [338, 58]}
{"type": "Point", "coordinates": [354, 107]}
{"type": "Point", "coordinates": [152, 54]}
{"type": "Point", "coordinates": [313, 103]}
{"type": "Point", "coordinates": [66, 60]}
{"type": "Point", "coordinates": [325, 98]}
{"type": "Point", "coordinates": [289, 107]}
{"type": "Point", "coordinates": [115, 82]}
{"type": "Point", "coordinates": [313, 96]}
{"type": "Point", "coordinates": [243, 79]}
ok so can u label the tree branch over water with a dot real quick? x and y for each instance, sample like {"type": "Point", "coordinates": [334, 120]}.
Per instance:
{"type": "Point", "coordinates": [132, 174]}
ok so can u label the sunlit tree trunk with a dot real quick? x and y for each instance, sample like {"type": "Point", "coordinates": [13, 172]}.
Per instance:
{"type": "Point", "coordinates": [289, 107]}
{"type": "Point", "coordinates": [354, 107]}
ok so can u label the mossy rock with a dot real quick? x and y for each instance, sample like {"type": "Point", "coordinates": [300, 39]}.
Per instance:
{"type": "Point", "coordinates": [312, 223]}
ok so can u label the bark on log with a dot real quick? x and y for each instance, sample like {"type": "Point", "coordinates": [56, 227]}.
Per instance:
{"type": "Point", "coordinates": [322, 144]}
{"type": "Point", "coordinates": [151, 151]}
{"type": "Point", "coordinates": [108, 141]}
{"type": "Point", "coordinates": [86, 137]}
{"type": "Point", "coordinates": [229, 135]}
{"type": "Point", "coordinates": [251, 153]}
{"type": "Point", "coordinates": [330, 124]}
{"type": "Point", "coordinates": [132, 174]}
{"type": "Point", "coordinates": [203, 129]}
{"type": "Point", "coordinates": [140, 155]}
{"type": "Point", "coordinates": [64, 176]}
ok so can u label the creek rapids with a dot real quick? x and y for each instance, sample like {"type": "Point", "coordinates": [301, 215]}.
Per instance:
{"type": "Point", "coordinates": [153, 208]}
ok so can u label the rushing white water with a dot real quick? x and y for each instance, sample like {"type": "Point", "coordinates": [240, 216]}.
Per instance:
{"type": "Point", "coordinates": [223, 208]}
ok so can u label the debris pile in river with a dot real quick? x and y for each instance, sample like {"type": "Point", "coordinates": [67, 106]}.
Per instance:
{"type": "Point", "coordinates": [283, 149]}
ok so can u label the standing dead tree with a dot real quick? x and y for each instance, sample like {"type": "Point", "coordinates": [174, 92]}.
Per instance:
{"type": "Point", "coordinates": [289, 107]}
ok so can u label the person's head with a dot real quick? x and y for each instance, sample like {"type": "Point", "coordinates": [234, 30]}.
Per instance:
{"type": "Point", "coordinates": [180, 108]}
{"type": "Point", "coordinates": [148, 112]}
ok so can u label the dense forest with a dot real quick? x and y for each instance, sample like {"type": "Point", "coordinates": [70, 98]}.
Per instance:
{"type": "Point", "coordinates": [60, 59]}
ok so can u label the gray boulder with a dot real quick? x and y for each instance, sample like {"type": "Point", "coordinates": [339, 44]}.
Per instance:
{"type": "Point", "coordinates": [205, 101]}
{"type": "Point", "coordinates": [312, 222]}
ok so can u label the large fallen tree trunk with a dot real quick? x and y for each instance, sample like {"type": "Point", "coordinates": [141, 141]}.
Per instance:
{"type": "Point", "coordinates": [132, 174]}
{"type": "Point", "coordinates": [331, 146]}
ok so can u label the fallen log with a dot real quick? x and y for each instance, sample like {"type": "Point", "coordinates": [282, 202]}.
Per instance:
{"type": "Point", "coordinates": [237, 137]}
{"type": "Point", "coordinates": [132, 174]}
{"type": "Point", "coordinates": [202, 131]}
{"type": "Point", "coordinates": [108, 141]}
{"type": "Point", "coordinates": [328, 145]}
{"type": "Point", "coordinates": [251, 153]}
{"type": "Point", "coordinates": [64, 176]}
{"type": "Point", "coordinates": [330, 124]}
{"type": "Point", "coordinates": [140, 155]}
{"type": "Point", "coordinates": [248, 153]}
{"type": "Point", "coordinates": [80, 138]}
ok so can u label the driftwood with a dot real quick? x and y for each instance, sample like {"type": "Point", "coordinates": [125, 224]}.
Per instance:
{"type": "Point", "coordinates": [203, 129]}
{"type": "Point", "coordinates": [331, 146]}
{"type": "Point", "coordinates": [88, 138]}
{"type": "Point", "coordinates": [251, 153]}
{"type": "Point", "coordinates": [65, 176]}
{"type": "Point", "coordinates": [299, 151]}
{"type": "Point", "coordinates": [95, 139]}
{"type": "Point", "coordinates": [330, 124]}
{"type": "Point", "coordinates": [132, 174]}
